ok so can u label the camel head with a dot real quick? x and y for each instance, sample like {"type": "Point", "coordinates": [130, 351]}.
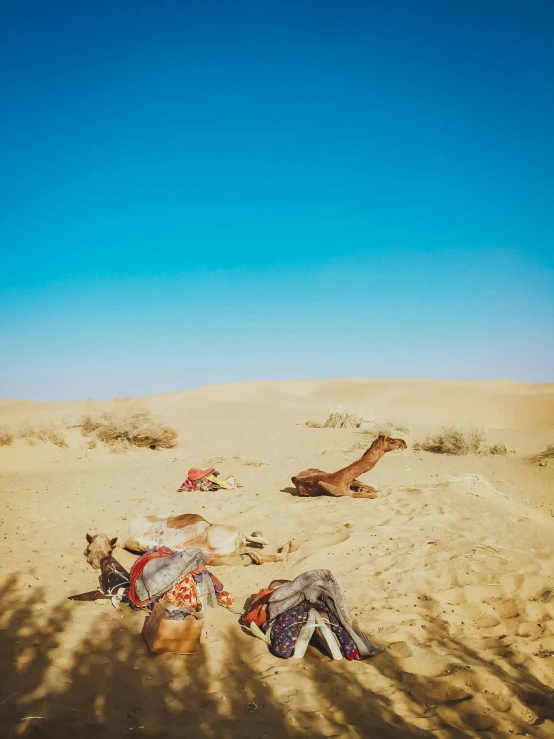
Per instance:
{"type": "Point", "coordinates": [391, 445]}
{"type": "Point", "coordinates": [98, 547]}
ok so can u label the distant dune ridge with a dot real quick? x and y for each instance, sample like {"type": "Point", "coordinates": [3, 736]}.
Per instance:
{"type": "Point", "coordinates": [450, 569]}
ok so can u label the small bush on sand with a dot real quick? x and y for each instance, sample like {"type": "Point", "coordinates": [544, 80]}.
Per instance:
{"type": "Point", "coordinates": [6, 437]}
{"type": "Point", "coordinates": [53, 434]}
{"type": "Point", "coordinates": [451, 440]}
{"type": "Point", "coordinates": [28, 433]}
{"type": "Point", "coordinates": [342, 418]}
{"type": "Point", "coordinates": [544, 456]}
{"type": "Point", "coordinates": [45, 434]}
{"type": "Point", "coordinates": [125, 426]}
{"type": "Point", "coordinates": [387, 428]}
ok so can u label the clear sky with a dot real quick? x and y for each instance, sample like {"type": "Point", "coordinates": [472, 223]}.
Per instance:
{"type": "Point", "coordinates": [200, 192]}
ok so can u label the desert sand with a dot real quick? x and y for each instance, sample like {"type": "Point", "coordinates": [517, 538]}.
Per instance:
{"type": "Point", "coordinates": [450, 570]}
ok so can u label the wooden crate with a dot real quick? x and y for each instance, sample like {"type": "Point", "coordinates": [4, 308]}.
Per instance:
{"type": "Point", "coordinates": [163, 634]}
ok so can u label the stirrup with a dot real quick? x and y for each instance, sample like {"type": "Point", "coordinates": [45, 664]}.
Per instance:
{"type": "Point", "coordinates": [258, 633]}
{"type": "Point", "coordinates": [306, 633]}
{"type": "Point", "coordinates": [327, 637]}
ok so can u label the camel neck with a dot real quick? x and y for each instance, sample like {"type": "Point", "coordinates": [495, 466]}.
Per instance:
{"type": "Point", "coordinates": [348, 474]}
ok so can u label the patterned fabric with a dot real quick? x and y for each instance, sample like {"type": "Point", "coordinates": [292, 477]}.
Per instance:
{"type": "Point", "coordinates": [183, 594]}
{"type": "Point", "coordinates": [192, 485]}
{"type": "Point", "coordinates": [224, 598]}
{"type": "Point", "coordinates": [287, 627]}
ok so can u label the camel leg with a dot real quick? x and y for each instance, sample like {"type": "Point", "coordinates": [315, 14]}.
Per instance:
{"type": "Point", "coordinates": [246, 556]}
{"type": "Point", "coordinates": [338, 491]}
{"type": "Point", "coordinates": [231, 559]}
{"type": "Point", "coordinates": [365, 494]}
{"type": "Point", "coordinates": [359, 490]}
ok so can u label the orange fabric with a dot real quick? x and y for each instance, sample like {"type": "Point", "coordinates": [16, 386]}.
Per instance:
{"type": "Point", "coordinates": [195, 474]}
{"type": "Point", "coordinates": [258, 610]}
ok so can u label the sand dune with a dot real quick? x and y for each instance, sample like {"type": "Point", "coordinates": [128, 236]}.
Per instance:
{"type": "Point", "coordinates": [451, 569]}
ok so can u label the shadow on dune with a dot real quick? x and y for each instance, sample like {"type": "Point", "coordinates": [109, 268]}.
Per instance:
{"type": "Point", "coordinates": [506, 678]}
{"type": "Point", "coordinates": [108, 685]}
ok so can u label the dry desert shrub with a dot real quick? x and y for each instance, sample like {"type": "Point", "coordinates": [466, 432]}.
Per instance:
{"type": "Point", "coordinates": [342, 418]}
{"type": "Point", "coordinates": [386, 428]}
{"type": "Point", "coordinates": [339, 418]}
{"type": "Point", "coordinates": [6, 437]}
{"type": "Point", "coordinates": [543, 457]}
{"type": "Point", "coordinates": [499, 450]}
{"type": "Point", "coordinates": [46, 434]}
{"type": "Point", "coordinates": [28, 433]}
{"type": "Point", "coordinates": [451, 440]}
{"type": "Point", "coordinates": [125, 426]}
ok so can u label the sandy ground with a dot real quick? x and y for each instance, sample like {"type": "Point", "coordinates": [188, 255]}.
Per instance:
{"type": "Point", "coordinates": [453, 577]}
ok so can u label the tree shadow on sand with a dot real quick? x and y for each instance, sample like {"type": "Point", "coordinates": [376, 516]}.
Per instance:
{"type": "Point", "coordinates": [106, 684]}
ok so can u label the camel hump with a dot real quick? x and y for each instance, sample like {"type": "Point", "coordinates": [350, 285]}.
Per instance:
{"type": "Point", "coordinates": [184, 520]}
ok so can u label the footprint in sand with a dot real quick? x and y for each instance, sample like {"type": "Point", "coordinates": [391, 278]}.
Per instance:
{"type": "Point", "coordinates": [329, 540]}
{"type": "Point", "coordinates": [399, 649]}
{"type": "Point", "coordinates": [423, 663]}
{"type": "Point", "coordinates": [473, 612]}
{"type": "Point", "coordinates": [463, 718]}
{"type": "Point", "coordinates": [539, 612]}
{"type": "Point", "coordinates": [325, 541]}
{"type": "Point", "coordinates": [507, 609]}
{"type": "Point", "coordinates": [545, 647]}
{"type": "Point", "coordinates": [478, 681]}
{"type": "Point", "coordinates": [499, 703]}
{"type": "Point", "coordinates": [437, 690]}
{"type": "Point", "coordinates": [487, 623]}
{"type": "Point", "coordinates": [530, 629]}
{"type": "Point", "coordinates": [536, 587]}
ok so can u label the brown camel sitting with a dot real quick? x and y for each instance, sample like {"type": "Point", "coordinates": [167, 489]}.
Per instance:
{"type": "Point", "coordinates": [221, 543]}
{"type": "Point", "coordinates": [315, 482]}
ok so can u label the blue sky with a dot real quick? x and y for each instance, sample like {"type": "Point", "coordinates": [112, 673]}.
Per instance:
{"type": "Point", "coordinates": [208, 192]}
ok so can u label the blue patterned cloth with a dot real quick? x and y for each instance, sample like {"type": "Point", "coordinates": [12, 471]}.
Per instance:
{"type": "Point", "coordinates": [287, 627]}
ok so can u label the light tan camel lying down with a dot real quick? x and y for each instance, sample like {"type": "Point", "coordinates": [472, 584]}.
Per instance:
{"type": "Point", "coordinates": [222, 544]}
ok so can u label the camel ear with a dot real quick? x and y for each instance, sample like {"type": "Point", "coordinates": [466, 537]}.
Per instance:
{"type": "Point", "coordinates": [89, 538]}
{"type": "Point", "coordinates": [113, 542]}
